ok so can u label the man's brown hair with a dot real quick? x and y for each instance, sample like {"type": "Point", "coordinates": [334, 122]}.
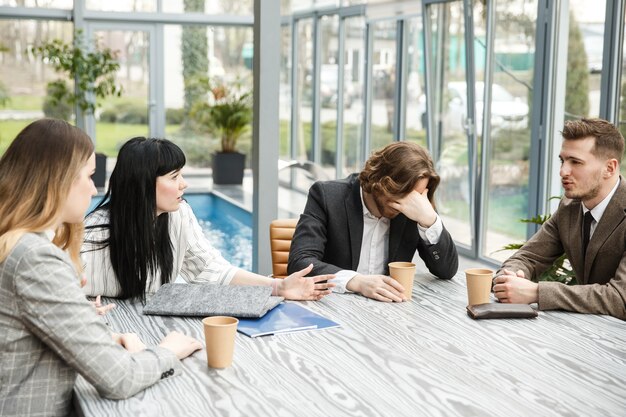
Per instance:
{"type": "Point", "coordinates": [609, 140]}
{"type": "Point", "coordinates": [395, 170]}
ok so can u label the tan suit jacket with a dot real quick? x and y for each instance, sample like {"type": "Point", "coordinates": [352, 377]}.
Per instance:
{"type": "Point", "coordinates": [601, 272]}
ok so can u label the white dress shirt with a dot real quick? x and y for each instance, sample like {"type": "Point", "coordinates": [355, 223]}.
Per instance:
{"type": "Point", "coordinates": [598, 210]}
{"type": "Point", "coordinates": [375, 246]}
{"type": "Point", "coordinates": [195, 260]}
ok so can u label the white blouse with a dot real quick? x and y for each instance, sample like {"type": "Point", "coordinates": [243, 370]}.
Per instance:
{"type": "Point", "coordinates": [195, 260]}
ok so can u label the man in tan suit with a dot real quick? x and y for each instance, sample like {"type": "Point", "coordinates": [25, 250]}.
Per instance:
{"type": "Point", "coordinates": [589, 227]}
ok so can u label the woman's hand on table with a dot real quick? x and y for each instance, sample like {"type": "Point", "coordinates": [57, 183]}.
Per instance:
{"type": "Point", "coordinates": [181, 345]}
{"type": "Point", "coordinates": [299, 287]}
{"type": "Point", "coordinates": [102, 309]}
{"type": "Point", "coordinates": [129, 341]}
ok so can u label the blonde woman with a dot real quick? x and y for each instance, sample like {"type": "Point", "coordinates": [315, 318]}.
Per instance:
{"type": "Point", "coordinates": [49, 332]}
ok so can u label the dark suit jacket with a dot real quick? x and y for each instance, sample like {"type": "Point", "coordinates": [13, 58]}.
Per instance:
{"type": "Point", "coordinates": [602, 272]}
{"type": "Point", "coordinates": [330, 231]}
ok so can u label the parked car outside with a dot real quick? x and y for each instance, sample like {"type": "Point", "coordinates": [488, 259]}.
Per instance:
{"type": "Point", "coordinates": [329, 81]}
{"type": "Point", "coordinates": [507, 111]}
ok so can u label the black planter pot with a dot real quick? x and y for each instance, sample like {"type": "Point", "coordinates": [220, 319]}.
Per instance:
{"type": "Point", "coordinates": [228, 167]}
{"type": "Point", "coordinates": [100, 176]}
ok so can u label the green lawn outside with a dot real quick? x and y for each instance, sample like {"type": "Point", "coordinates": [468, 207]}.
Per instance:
{"type": "Point", "coordinates": [109, 136]}
{"type": "Point", "coordinates": [505, 213]}
{"type": "Point", "coordinates": [34, 103]}
{"type": "Point", "coordinates": [9, 130]}
{"type": "Point", "coordinates": [25, 103]}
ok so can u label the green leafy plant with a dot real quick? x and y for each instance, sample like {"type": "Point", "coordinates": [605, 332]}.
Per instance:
{"type": "Point", "coordinates": [4, 95]}
{"type": "Point", "coordinates": [52, 107]}
{"type": "Point", "coordinates": [92, 71]}
{"type": "Point", "coordinates": [4, 91]}
{"type": "Point", "coordinates": [227, 113]}
{"type": "Point", "coordinates": [561, 270]}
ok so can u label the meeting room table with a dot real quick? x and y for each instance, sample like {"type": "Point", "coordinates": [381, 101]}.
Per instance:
{"type": "Point", "coordinates": [425, 357]}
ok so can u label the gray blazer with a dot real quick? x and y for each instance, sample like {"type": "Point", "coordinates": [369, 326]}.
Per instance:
{"type": "Point", "coordinates": [330, 231]}
{"type": "Point", "coordinates": [49, 332]}
{"type": "Point", "coordinates": [602, 272]}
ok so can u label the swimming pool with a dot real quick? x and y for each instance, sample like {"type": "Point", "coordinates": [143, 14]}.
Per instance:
{"type": "Point", "coordinates": [227, 226]}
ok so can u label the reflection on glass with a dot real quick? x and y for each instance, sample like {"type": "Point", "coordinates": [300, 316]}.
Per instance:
{"type": "Point", "coordinates": [415, 99]}
{"type": "Point", "coordinates": [284, 101]}
{"type": "Point", "coordinates": [352, 97]}
{"type": "Point", "coordinates": [122, 6]}
{"type": "Point", "coordinates": [508, 163]}
{"type": "Point", "coordinates": [480, 57]}
{"type": "Point", "coordinates": [223, 55]}
{"type": "Point", "coordinates": [292, 6]}
{"type": "Point", "coordinates": [383, 83]}
{"type": "Point", "coordinates": [121, 118]}
{"type": "Point", "coordinates": [57, 4]}
{"type": "Point", "coordinates": [328, 88]}
{"type": "Point", "coordinates": [449, 104]}
{"type": "Point", "coordinates": [622, 101]}
{"type": "Point", "coordinates": [239, 7]}
{"type": "Point", "coordinates": [584, 59]}
{"type": "Point", "coordinates": [304, 86]}
{"type": "Point", "coordinates": [24, 80]}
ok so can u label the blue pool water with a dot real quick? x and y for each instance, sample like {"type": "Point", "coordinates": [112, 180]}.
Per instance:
{"type": "Point", "coordinates": [227, 226]}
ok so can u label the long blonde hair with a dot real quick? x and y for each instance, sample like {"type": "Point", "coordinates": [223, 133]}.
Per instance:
{"type": "Point", "coordinates": [36, 174]}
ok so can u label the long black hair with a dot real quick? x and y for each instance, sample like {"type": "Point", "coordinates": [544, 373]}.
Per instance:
{"type": "Point", "coordinates": [139, 242]}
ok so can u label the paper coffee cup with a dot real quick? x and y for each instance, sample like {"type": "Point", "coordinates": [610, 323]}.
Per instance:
{"type": "Point", "coordinates": [478, 285]}
{"type": "Point", "coordinates": [219, 334]}
{"type": "Point", "coordinates": [403, 272]}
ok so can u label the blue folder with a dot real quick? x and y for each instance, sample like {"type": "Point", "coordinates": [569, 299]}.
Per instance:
{"type": "Point", "coordinates": [284, 318]}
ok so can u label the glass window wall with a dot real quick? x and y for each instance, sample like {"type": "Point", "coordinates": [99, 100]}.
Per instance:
{"type": "Point", "coordinates": [121, 118]}
{"type": "Point", "coordinates": [285, 94]}
{"type": "Point", "coordinates": [584, 58]}
{"type": "Point", "coordinates": [622, 100]}
{"type": "Point", "coordinates": [415, 109]}
{"type": "Point", "coordinates": [24, 92]}
{"type": "Point", "coordinates": [448, 120]}
{"type": "Point", "coordinates": [383, 91]}
{"type": "Point", "coordinates": [200, 59]}
{"type": "Point", "coordinates": [506, 196]}
{"type": "Point", "coordinates": [122, 5]}
{"type": "Point", "coordinates": [328, 92]}
{"type": "Point", "coordinates": [304, 104]}
{"type": "Point", "coordinates": [56, 4]}
{"type": "Point", "coordinates": [354, 29]}
{"type": "Point", "coordinates": [239, 7]}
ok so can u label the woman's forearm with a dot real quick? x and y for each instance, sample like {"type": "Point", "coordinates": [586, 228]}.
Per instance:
{"type": "Point", "coordinates": [242, 277]}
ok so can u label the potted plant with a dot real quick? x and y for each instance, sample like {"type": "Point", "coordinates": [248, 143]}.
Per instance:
{"type": "Point", "coordinates": [227, 114]}
{"type": "Point", "coordinates": [93, 73]}
{"type": "Point", "coordinates": [561, 270]}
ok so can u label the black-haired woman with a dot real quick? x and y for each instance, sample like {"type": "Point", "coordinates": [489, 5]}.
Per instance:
{"type": "Point", "coordinates": [143, 234]}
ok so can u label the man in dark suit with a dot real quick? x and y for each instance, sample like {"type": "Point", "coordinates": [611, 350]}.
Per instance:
{"type": "Point", "coordinates": [589, 227]}
{"type": "Point", "coordinates": [354, 227]}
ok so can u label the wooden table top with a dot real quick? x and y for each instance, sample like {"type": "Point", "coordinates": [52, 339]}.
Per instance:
{"type": "Point", "coordinates": [423, 357]}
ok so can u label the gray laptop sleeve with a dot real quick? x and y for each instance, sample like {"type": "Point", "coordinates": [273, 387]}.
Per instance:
{"type": "Point", "coordinates": [204, 300]}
